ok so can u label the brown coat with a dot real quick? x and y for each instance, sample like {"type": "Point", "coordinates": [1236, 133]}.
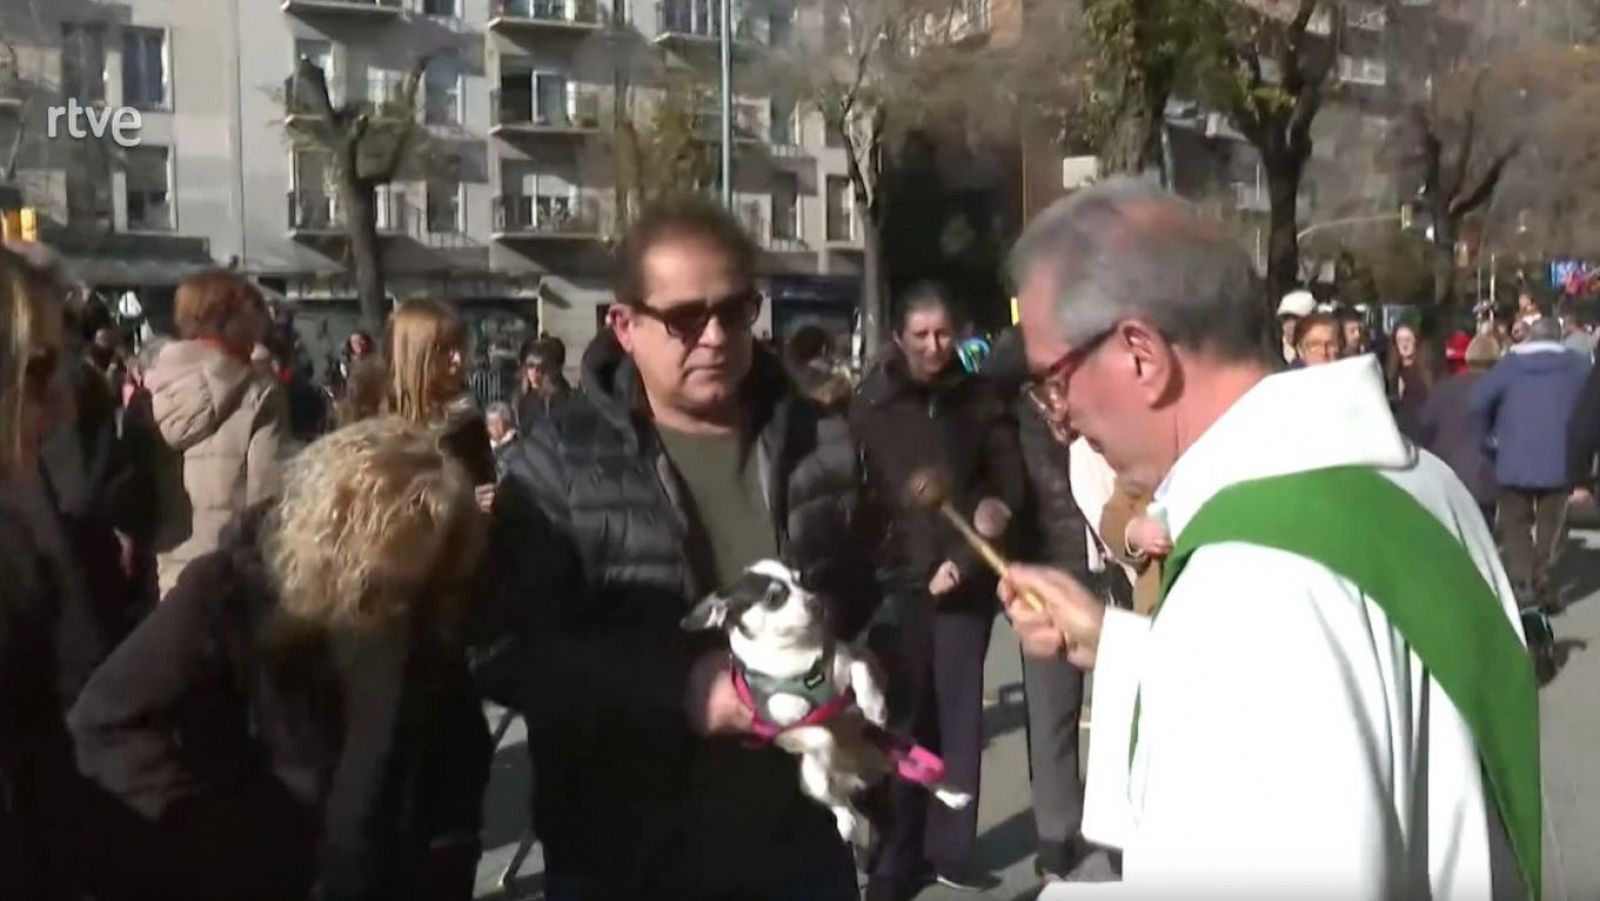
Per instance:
{"type": "Point", "coordinates": [223, 425]}
{"type": "Point", "coordinates": [1126, 504]}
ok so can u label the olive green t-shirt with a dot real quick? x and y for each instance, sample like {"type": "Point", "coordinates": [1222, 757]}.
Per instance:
{"type": "Point", "coordinates": [719, 472]}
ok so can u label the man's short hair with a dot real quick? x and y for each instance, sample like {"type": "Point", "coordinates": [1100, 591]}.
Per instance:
{"type": "Point", "coordinates": [927, 295]}
{"type": "Point", "coordinates": [209, 302]}
{"type": "Point", "coordinates": [691, 217]}
{"type": "Point", "coordinates": [1126, 248]}
{"type": "Point", "coordinates": [501, 409]}
{"type": "Point", "coordinates": [1544, 329]}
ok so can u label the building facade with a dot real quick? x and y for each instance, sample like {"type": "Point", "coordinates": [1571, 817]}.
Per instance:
{"type": "Point", "coordinates": [509, 201]}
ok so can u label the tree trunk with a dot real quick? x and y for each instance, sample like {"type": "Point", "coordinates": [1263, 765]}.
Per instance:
{"type": "Point", "coordinates": [1134, 146]}
{"type": "Point", "coordinates": [874, 284]}
{"type": "Point", "coordinates": [366, 253]}
{"type": "Point", "coordinates": [1442, 254]}
{"type": "Point", "coordinates": [1283, 236]}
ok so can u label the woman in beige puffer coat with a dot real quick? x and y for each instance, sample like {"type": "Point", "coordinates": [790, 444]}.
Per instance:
{"type": "Point", "coordinates": [222, 421]}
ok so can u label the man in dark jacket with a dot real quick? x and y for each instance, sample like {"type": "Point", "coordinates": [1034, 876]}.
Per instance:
{"type": "Point", "coordinates": [1526, 401]}
{"type": "Point", "coordinates": [919, 409]}
{"type": "Point", "coordinates": [1053, 533]}
{"type": "Point", "coordinates": [686, 457]}
{"type": "Point", "coordinates": [1449, 427]}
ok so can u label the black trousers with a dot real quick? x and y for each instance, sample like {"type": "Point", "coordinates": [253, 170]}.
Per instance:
{"type": "Point", "coordinates": [940, 665]}
{"type": "Point", "coordinates": [1531, 525]}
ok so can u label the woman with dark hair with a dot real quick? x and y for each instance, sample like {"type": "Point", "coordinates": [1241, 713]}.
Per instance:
{"type": "Point", "coordinates": [1410, 374]}
{"type": "Point", "coordinates": [919, 408]}
{"type": "Point", "coordinates": [296, 719]}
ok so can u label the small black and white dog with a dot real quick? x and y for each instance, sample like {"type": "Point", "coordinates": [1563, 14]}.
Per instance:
{"type": "Point", "coordinates": [813, 697]}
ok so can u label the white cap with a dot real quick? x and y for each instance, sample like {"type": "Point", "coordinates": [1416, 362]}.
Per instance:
{"type": "Point", "coordinates": [1297, 303]}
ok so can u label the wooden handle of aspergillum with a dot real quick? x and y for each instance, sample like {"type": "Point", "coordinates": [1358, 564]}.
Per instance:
{"type": "Point", "coordinates": [987, 552]}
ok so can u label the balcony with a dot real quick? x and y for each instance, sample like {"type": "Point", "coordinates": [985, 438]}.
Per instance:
{"type": "Point", "coordinates": [533, 17]}
{"type": "Point", "coordinates": [749, 126]}
{"type": "Point", "coordinates": [569, 113]}
{"type": "Point", "coordinates": [548, 217]}
{"type": "Point", "coordinates": [1363, 71]}
{"type": "Point", "coordinates": [385, 100]}
{"type": "Point", "coordinates": [697, 23]}
{"type": "Point", "coordinates": [314, 213]}
{"type": "Point", "coordinates": [1368, 18]}
{"type": "Point", "coordinates": [363, 9]}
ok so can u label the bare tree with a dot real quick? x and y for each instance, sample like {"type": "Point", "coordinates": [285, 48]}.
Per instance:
{"type": "Point", "coordinates": [1269, 66]}
{"type": "Point", "coordinates": [12, 83]}
{"type": "Point", "coordinates": [873, 70]}
{"type": "Point", "coordinates": [367, 144]}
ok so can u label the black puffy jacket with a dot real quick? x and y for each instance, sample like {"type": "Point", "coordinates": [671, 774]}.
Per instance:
{"type": "Point", "coordinates": [593, 563]}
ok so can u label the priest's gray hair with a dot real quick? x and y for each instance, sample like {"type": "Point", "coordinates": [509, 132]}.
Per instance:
{"type": "Point", "coordinates": [1125, 248]}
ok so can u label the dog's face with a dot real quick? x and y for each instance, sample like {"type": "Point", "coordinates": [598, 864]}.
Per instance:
{"type": "Point", "coordinates": [767, 605]}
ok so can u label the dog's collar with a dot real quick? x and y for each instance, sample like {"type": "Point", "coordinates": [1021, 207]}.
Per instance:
{"type": "Point", "coordinates": [816, 685]}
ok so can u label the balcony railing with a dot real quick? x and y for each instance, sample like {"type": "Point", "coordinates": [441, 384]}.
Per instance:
{"type": "Point", "coordinates": [320, 212]}
{"type": "Point", "coordinates": [1360, 70]}
{"type": "Point", "coordinates": [700, 20]}
{"type": "Point", "coordinates": [383, 8]}
{"type": "Point", "coordinates": [548, 215]}
{"type": "Point", "coordinates": [581, 14]}
{"type": "Point", "coordinates": [575, 110]}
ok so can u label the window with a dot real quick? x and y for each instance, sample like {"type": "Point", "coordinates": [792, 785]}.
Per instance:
{"type": "Point", "coordinates": [783, 125]}
{"type": "Point", "coordinates": [320, 53]}
{"type": "Point", "coordinates": [148, 189]}
{"type": "Point", "coordinates": [550, 98]}
{"type": "Point", "coordinates": [785, 206]}
{"type": "Point", "coordinates": [144, 68]}
{"type": "Point", "coordinates": [830, 133]}
{"type": "Point", "coordinates": [442, 89]}
{"type": "Point", "coordinates": [83, 63]}
{"type": "Point", "coordinates": [89, 186]}
{"type": "Point", "coordinates": [841, 211]}
{"type": "Point", "coordinates": [447, 9]}
{"type": "Point", "coordinates": [444, 204]}
{"type": "Point", "coordinates": [383, 87]}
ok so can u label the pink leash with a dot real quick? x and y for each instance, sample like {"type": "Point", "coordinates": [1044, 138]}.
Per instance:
{"type": "Point", "coordinates": [912, 762]}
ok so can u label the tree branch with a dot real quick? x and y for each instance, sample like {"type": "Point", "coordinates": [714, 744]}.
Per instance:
{"type": "Point", "coordinates": [1491, 178]}
{"type": "Point", "coordinates": [407, 127]}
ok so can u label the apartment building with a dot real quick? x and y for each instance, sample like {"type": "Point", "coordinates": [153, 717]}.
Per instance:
{"type": "Point", "coordinates": [509, 203]}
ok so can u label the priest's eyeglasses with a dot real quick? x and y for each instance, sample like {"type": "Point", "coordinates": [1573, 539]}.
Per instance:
{"type": "Point", "coordinates": [1048, 390]}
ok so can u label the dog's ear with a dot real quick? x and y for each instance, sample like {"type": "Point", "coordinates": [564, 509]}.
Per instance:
{"type": "Point", "coordinates": [710, 613]}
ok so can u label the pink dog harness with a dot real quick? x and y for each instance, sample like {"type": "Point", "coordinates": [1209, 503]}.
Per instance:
{"type": "Point", "coordinates": [912, 762]}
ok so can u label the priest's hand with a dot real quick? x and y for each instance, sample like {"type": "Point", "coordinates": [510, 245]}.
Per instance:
{"type": "Point", "coordinates": [1071, 620]}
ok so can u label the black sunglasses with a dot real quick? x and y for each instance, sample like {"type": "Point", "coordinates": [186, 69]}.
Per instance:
{"type": "Point", "coordinates": [686, 322]}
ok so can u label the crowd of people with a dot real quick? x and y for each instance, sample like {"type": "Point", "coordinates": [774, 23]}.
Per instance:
{"type": "Point", "coordinates": [245, 650]}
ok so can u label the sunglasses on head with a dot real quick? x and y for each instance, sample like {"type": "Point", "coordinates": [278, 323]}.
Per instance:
{"type": "Point", "coordinates": [687, 321]}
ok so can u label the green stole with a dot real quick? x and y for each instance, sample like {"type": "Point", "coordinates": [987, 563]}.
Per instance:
{"type": "Point", "coordinates": [1347, 519]}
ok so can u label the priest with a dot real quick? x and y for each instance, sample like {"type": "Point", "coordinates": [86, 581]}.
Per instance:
{"type": "Point", "coordinates": [1332, 698]}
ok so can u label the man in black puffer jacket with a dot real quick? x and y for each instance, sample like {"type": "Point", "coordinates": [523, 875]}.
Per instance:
{"type": "Point", "coordinates": [686, 457]}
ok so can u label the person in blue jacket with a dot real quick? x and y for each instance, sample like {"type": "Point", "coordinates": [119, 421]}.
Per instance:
{"type": "Point", "coordinates": [1526, 402]}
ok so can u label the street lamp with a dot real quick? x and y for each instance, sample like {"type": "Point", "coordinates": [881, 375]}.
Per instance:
{"type": "Point", "coordinates": [726, 50]}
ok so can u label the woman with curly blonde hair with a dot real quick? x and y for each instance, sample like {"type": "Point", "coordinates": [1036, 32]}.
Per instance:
{"type": "Point", "coordinates": [421, 378]}
{"type": "Point", "coordinates": [297, 714]}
